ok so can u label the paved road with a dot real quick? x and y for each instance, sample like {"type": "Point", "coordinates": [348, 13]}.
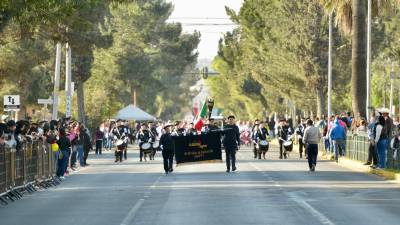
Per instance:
{"type": "Point", "coordinates": [269, 191]}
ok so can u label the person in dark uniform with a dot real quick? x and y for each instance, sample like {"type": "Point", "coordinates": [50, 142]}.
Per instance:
{"type": "Point", "coordinates": [120, 135]}
{"type": "Point", "coordinates": [262, 134]}
{"type": "Point", "coordinates": [300, 133]}
{"type": "Point", "coordinates": [154, 135]}
{"type": "Point", "coordinates": [231, 141]}
{"type": "Point", "coordinates": [144, 136]}
{"type": "Point", "coordinates": [211, 126]}
{"type": "Point", "coordinates": [167, 147]}
{"type": "Point", "coordinates": [190, 130]}
{"type": "Point", "coordinates": [254, 131]}
{"type": "Point", "coordinates": [283, 132]}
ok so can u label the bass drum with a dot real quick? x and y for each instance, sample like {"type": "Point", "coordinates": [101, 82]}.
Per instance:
{"type": "Point", "coordinates": [156, 145]}
{"type": "Point", "coordinates": [263, 145]}
{"type": "Point", "coordinates": [288, 145]}
{"type": "Point", "coordinates": [146, 147]}
{"type": "Point", "coordinates": [120, 144]}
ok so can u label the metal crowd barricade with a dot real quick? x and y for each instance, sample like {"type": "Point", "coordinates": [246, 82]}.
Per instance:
{"type": "Point", "coordinates": [30, 165]}
{"type": "Point", "coordinates": [3, 171]}
{"type": "Point", "coordinates": [392, 161]}
{"type": "Point", "coordinates": [357, 147]}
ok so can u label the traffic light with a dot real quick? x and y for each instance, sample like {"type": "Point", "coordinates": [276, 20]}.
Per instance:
{"type": "Point", "coordinates": [204, 72]}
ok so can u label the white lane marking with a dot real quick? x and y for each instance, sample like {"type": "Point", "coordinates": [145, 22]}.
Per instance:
{"type": "Point", "coordinates": [131, 214]}
{"type": "Point", "coordinates": [321, 217]}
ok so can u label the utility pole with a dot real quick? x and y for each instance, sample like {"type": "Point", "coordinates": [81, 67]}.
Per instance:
{"type": "Point", "coordinates": [330, 68]}
{"type": "Point", "coordinates": [369, 58]}
{"type": "Point", "coordinates": [54, 115]}
{"type": "Point", "coordinates": [384, 85]}
{"type": "Point", "coordinates": [68, 78]}
{"type": "Point", "coordinates": [392, 77]}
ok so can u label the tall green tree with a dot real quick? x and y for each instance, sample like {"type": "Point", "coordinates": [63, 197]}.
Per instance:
{"type": "Point", "coordinates": [351, 17]}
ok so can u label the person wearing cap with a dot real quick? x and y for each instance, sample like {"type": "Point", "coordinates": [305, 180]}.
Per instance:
{"type": "Point", "coordinates": [300, 133]}
{"type": "Point", "coordinates": [167, 147]}
{"type": "Point", "coordinates": [231, 142]}
{"type": "Point", "coordinates": [211, 126]}
{"type": "Point", "coordinates": [144, 136]}
{"type": "Point", "coordinates": [284, 131]}
{"type": "Point", "coordinates": [311, 138]}
{"type": "Point", "coordinates": [254, 132]}
{"type": "Point", "coordinates": [191, 130]}
{"type": "Point", "coordinates": [262, 134]}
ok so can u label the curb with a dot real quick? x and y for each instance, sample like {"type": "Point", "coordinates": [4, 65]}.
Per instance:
{"type": "Point", "coordinates": [359, 166]}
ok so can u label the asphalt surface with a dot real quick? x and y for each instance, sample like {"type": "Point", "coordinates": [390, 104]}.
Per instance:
{"type": "Point", "coordinates": [268, 191]}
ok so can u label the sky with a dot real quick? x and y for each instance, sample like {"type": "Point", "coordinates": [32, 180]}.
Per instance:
{"type": "Point", "coordinates": [194, 14]}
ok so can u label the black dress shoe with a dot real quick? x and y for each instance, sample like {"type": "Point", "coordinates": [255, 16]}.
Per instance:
{"type": "Point", "coordinates": [171, 170]}
{"type": "Point", "coordinates": [228, 171]}
{"type": "Point", "coordinates": [367, 164]}
{"type": "Point", "coordinates": [234, 169]}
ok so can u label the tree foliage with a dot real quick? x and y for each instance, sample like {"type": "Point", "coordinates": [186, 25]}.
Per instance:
{"type": "Point", "coordinates": [116, 45]}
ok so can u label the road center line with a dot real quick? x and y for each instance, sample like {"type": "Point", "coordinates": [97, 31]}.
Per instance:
{"type": "Point", "coordinates": [314, 212]}
{"type": "Point", "coordinates": [131, 214]}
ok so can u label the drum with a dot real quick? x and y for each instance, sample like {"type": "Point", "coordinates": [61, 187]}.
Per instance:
{"type": "Point", "coordinates": [263, 145]}
{"type": "Point", "coordinates": [288, 145]}
{"type": "Point", "coordinates": [120, 144]}
{"type": "Point", "coordinates": [146, 146]}
{"type": "Point", "coordinates": [156, 145]}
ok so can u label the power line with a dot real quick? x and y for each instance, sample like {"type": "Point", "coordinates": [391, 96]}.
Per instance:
{"type": "Point", "coordinates": [199, 18]}
{"type": "Point", "coordinates": [209, 24]}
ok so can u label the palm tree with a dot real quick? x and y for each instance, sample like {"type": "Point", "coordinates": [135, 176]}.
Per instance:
{"type": "Point", "coordinates": [351, 17]}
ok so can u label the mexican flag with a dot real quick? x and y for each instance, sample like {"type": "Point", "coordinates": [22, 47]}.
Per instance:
{"type": "Point", "coordinates": [199, 121]}
{"type": "Point", "coordinates": [195, 109]}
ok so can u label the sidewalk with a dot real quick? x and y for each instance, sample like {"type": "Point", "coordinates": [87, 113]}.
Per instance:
{"type": "Point", "coordinates": [357, 165]}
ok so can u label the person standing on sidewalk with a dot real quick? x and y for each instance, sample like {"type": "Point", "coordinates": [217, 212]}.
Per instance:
{"type": "Point", "coordinates": [80, 141]}
{"type": "Point", "coordinates": [311, 138]}
{"type": "Point", "coordinates": [99, 140]}
{"type": "Point", "coordinates": [381, 140]}
{"type": "Point", "coordinates": [338, 137]}
{"type": "Point", "coordinates": [65, 149]}
{"type": "Point", "coordinates": [372, 153]}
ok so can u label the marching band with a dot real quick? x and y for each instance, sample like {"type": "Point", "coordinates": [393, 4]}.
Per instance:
{"type": "Point", "coordinates": [154, 137]}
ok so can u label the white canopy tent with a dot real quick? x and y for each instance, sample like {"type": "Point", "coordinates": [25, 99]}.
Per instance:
{"type": "Point", "coordinates": [132, 112]}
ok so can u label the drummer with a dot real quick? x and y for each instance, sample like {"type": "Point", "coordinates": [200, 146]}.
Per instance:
{"type": "Point", "coordinates": [262, 134]}
{"type": "Point", "coordinates": [143, 136]}
{"type": "Point", "coordinates": [154, 139]}
{"type": "Point", "coordinates": [120, 137]}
